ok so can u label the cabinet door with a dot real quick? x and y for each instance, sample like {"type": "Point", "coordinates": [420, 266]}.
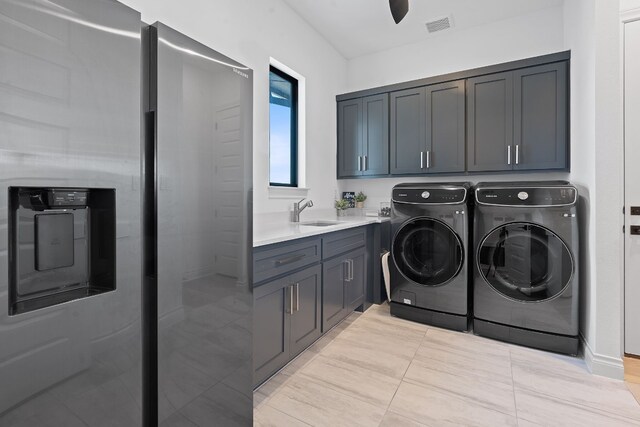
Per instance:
{"type": "Point", "coordinates": [540, 117]}
{"type": "Point", "coordinates": [490, 122]}
{"type": "Point", "coordinates": [305, 319]}
{"type": "Point", "coordinates": [356, 279]}
{"type": "Point", "coordinates": [349, 137]}
{"type": "Point", "coordinates": [271, 307]}
{"type": "Point", "coordinates": [333, 298]}
{"type": "Point", "coordinates": [375, 135]}
{"type": "Point", "coordinates": [408, 131]}
{"type": "Point", "coordinates": [445, 109]}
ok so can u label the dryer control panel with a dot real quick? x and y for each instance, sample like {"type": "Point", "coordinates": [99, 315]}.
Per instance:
{"type": "Point", "coordinates": [527, 196]}
{"type": "Point", "coordinates": [429, 195]}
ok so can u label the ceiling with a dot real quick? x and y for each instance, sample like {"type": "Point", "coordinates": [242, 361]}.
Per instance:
{"type": "Point", "coordinates": [359, 27]}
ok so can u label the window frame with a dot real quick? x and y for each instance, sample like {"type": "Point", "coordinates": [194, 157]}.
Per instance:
{"type": "Point", "coordinates": [293, 129]}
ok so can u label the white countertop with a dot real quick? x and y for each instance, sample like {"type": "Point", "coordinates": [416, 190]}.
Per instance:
{"type": "Point", "coordinates": [276, 227]}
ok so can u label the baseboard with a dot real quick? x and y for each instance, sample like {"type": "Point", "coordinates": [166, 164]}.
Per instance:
{"type": "Point", "coordinates": [598, 364]}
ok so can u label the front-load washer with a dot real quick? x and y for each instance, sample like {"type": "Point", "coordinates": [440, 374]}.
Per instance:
{"type": "Point", "coordinates": [525, 287]}
{"type": "Point", "coordinates": [429, 253]}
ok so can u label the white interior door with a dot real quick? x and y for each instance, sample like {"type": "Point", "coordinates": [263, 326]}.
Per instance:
{"type": "Point", "coordinates": [632, 185]}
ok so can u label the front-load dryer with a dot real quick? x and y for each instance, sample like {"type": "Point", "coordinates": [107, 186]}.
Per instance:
{"type": "Point", "coordinates": [525, 287]}
{"type": "Point", "coordinates": [429, 259]}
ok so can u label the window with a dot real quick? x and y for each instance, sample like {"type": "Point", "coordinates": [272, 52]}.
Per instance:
{"type": "Point", "coordinates": [283, 129]}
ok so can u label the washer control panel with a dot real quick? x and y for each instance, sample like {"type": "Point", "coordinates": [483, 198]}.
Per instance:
{"type": "Point", "coordinates": [532, 196]}
{"type": "Point", "coordinates": [429, 196]}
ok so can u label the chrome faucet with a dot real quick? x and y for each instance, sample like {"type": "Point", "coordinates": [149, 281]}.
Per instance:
{"type": "Point", "coordinates": [297, 208]}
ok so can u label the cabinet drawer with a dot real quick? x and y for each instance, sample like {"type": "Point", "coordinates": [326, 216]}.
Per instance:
{"type": "Point", "coordinates": [275, 260]}
{"type": "Point", "coordinates": [343, 241]}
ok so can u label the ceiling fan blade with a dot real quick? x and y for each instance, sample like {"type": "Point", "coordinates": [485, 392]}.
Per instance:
{"type": "Point", "coordinates": [399, 9]}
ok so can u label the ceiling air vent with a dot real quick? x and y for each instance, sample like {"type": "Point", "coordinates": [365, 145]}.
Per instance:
{"type": "Point", "coordinates": [439, 24]}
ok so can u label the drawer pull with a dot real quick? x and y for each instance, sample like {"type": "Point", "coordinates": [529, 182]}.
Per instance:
{"type": "Point", "coordinates": [289, 260]}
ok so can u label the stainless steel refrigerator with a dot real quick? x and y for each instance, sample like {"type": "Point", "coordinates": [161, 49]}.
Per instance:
{"type": "Point", "coordinates": [198, 187]}
{"type": "Point", "coordinates": [70, 223]}
{"type": "Point", "coordinates": [125, 213]}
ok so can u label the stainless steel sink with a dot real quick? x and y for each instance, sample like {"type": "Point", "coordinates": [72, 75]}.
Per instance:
{"type": "Point", "coordinates": [319, 223]}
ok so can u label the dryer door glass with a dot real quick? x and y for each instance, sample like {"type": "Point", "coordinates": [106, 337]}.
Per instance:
{"type": "Point", "coordinates": [525, 262]}
{"type": "Point", "coordinates": [427, 251]}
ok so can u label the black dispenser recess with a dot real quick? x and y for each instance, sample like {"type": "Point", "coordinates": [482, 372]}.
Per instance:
{"type": "Point", "coordinates": [62, 245]}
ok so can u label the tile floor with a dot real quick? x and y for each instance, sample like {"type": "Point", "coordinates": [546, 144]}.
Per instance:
{"type": "Point", "coordinates": [377, 370]}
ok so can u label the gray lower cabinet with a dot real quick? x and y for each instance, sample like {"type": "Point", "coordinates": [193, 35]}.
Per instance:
{"type": "Point", "coordinates": [334, 273]}
{"type": "Point", "coordinates": [355, 285]}
{"type": "Point", "coordinates": [428, 129]}
{"type": "Point", "coordinates": [303, 288]}
{"type": "Point", "coordinates": [517, 120]}
{"type": "Point", "coordinates": [343, 286]}
{"type": "Point", "coordinates": [305, 310]}
{"type": "Point", "coordinates": [363, 136]}
{"type": "Point", "coordinates": [286, 318]}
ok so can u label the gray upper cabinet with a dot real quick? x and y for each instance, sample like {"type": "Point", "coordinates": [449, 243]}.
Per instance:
{"type": "Point", "coordinates": [375, 135]}
{"type": "Point", "coordinates": [505, 117]}
{"type": "Point", "coordinates": [428, 129]}
{"type": "Point", "coordinates": [540, 117]}
{"type": "Point", "coordinates": [518, 120]}
{"type": "Point", "coordinates": [490, 122]}
{"type": "Point", "coordinates": [445, 113]}
{"type": "Point", "coordinates": [363, 136]}
{"type": "Point", "coordinates": [349, 137]}
{"type": "Point", "coordinates": [408, 131]}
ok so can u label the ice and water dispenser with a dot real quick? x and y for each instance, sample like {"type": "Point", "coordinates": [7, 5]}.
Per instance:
{"type": "Point", "coordinates": [62, 245]}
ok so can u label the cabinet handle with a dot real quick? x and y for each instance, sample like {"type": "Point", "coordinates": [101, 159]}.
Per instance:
{"type": "Point", "coordinates": [290, 304]}
{"type": "Point", "coordinates": [350, 270]}
{"type": "Point", "coordinates": [422, 160]}
{"type": "Point", "coordinates": [289, 260]}
{"type": "Point", "coordinates": [428, 159]}
{"type": "Point", "coordinates": [364, 163]}
{"type": "Point", "coordinates": [297, 296]}
{"type": "Point", "coordinates": [517, 154]}
{"type": "Point", "coordinates": [508, 154]}
{"type": "Point", "coordinates": [348, 278]}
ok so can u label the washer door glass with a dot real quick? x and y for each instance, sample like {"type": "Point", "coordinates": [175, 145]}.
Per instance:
{"type": "Point", "coordinates": [525, 262]}
{"type": "Point", "coordinates": [427, 251]}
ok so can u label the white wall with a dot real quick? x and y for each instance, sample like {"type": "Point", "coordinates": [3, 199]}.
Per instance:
{"type": "Point", "coordinates": [579, 36]}
{"type": "Point", "coordinates": [251, 32]}
{"type": "Point", "coordinates": [609, 154]}
{"type": "Point", "coordinates": [534, 34]}
{"type": "Point", "coordinates": [592, 32]}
